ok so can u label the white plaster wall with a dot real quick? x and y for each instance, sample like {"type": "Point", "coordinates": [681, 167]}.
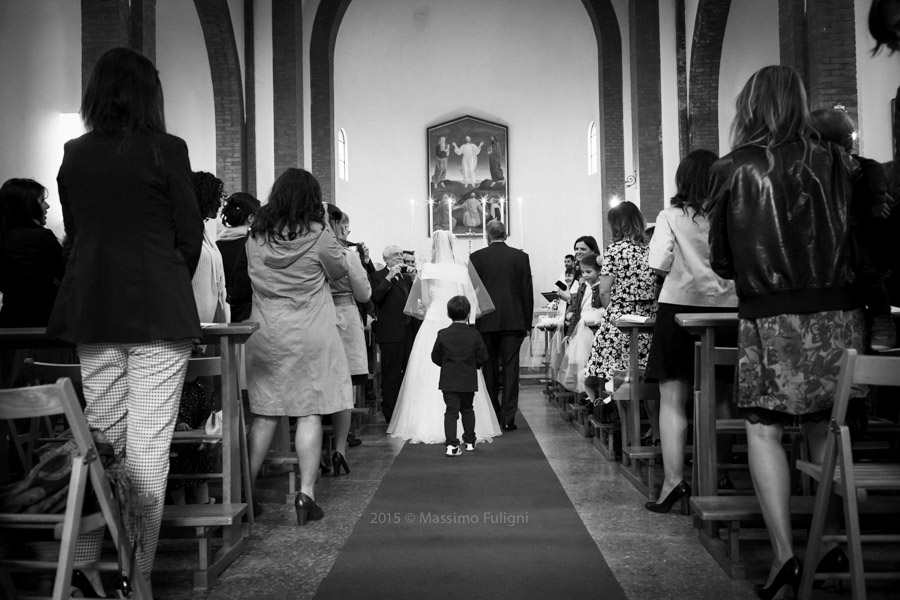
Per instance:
{"type": "Point", "coordinates": [633, 193]}
{"type": "Point", "coordinates": [187, 82]}
{"type": "Point", "coordinates": [401, 66]}
{"type": "Point", "coordinates": [40, 67]}
{"type": "Point", "coordinates": [751, 42]}
{"type": "Point", "coordinates": [877, 78]}
{"type": "Point", "coordinates": [265, 99]}
{"type": "Point", "coordinates": [309, 16]}
{"type": "Point", "coordinates": [668, 63]}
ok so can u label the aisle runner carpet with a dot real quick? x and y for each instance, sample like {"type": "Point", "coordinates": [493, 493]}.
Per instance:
{"type": "Point", "coordinates": [494, 523]}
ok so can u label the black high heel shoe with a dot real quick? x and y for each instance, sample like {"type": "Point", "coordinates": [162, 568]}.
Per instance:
{"type": "Point", "coordinates": [788, 575]}
{"type": "Point", "coordinates": [682, 490]}
{"type": "Point", "coordinates": [338, 461]}
{"type": "Point", "coordinates": [307, 509]}
{"type": "Point", "coordinates": [83, 585]}
{"type": "Point", "coordinates": [834, 561]}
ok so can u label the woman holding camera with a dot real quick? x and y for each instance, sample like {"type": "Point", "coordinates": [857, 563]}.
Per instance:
{"type": "Point", "coordinates": [346, 292]}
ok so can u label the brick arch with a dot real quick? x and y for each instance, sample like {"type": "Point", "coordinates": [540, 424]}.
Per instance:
{"type": "Point", "coordinates": [706, 55]}
{"type": "Point", "coordinates": [232, 161]}
{"type": "Point", "coordinates": [612, 127]}
{"type": "Point", "coordinates": [609, 46]}
{"type": "Point", "coordinates": [321, 76]}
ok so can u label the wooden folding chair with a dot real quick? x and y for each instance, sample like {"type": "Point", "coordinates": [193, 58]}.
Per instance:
{"type": "Point", "coordinates": [852, 481]}
{"type": "Point", "coordinates": [206, 521]}
{"type": "Point", "coordinates": [25, 435]}
{"type": "Point", "coordinates": [56, 399]}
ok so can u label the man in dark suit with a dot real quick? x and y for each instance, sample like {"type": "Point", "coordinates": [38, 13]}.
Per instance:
{"type": "Point", "coordinates": [393, 330]}
{"type": "Point", "coordinates": [506, 275]}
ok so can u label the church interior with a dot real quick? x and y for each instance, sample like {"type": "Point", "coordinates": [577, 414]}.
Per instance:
{"type": "Point", "coordinates": [596, 102]}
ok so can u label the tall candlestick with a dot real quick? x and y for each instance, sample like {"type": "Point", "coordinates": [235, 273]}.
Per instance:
{"type": "Point", "coordinates": [449, 214]}
{"type": "Point", "coordinates": [484, 219]}
{"type": "Point", "coordinates": [430, 215]}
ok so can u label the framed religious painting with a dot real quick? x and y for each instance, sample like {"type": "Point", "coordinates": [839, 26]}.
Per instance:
{"type": "Point", "coordinates": [468, 175]}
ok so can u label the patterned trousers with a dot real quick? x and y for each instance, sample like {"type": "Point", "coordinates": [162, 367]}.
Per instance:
{"type": "Point", "coordinates": [132, 393]}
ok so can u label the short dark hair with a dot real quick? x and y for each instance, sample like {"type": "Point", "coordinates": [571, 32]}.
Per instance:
{"type": "Point", "coordinates": [458, 308]}
{"type": "Point", "coordinates": [20, 204]}
{"type": "Point", "coordinates": [590, 242]}
{"type": "Point", "coordinates": [627, 223]}
{"type": "Point", "coordinates": [834, 125]}
{"type": "Point", "coordinates": [238, 208]}
{"type": "Point", "coordinates": [570, 256]}
{"type": "Point", "coordinates": [334, 215]}
{"type": "Point", "coordinates": [590, 260]}
{"type": "Point", "coordinates": [209, 191]}
{"type": "Point", "coordinates": [880, 25]}
{"type": "Point", "coordinates": [496, 230]}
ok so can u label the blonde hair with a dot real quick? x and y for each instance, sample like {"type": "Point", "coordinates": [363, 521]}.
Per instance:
{"type": "Point", "coordinates": [772, 110]}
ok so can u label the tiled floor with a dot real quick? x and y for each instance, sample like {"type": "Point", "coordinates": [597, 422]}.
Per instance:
{"type": "Point", "coordinates": [654, 557]}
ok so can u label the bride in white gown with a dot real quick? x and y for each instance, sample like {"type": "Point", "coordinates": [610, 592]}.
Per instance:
{"type": "Point", "coordinates": [419, 414]}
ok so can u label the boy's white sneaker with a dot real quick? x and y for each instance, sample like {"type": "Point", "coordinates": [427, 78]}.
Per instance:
{"type": "Point", "coordinates": [453, 451]}
{"type": "Point", "coordinates": [470, 447]}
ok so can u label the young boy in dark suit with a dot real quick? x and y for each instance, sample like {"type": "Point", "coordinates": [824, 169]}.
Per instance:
{"type": "Point", "coordinates": [459, 351]}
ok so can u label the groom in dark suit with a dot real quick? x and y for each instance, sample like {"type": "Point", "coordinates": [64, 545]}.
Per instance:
{"type": "Point", "coordinates": [393, 330]}
{"type": "Point", "coordinates": [506, 275]}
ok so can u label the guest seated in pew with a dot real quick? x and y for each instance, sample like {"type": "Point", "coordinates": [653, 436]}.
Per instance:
{"type": "Point", "coordinates": [627, 287]}
{"type": "Point", "coordinates": [31, 266]}
{"type": "Point", "coordinates": [679, 251]}
{"type": "Point", "coordinates": [125, 299]}
{"type": "Point", "coordinates": [296, 363]}
{"type": "Point", "coordinates": [780, 227]}
{"type": "Point", "coordinates": [193, 411]}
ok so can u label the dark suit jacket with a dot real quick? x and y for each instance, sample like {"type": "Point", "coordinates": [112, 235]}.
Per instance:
{"type": "Point", "coordinates": [506, 274]}
{"type": "Point", "coordinates": [459, 351]}
{"type": "Point", "coordinates": [136, 233]}
{"type": "Point", "coordinates": [390, 297]}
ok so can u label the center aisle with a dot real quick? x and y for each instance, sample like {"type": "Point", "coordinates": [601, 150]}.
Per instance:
{"type": "Point", "coordinates": [491, 523]}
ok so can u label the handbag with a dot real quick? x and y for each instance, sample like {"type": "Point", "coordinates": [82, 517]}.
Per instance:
{"type": "Point", "coordinates": [213, 425]}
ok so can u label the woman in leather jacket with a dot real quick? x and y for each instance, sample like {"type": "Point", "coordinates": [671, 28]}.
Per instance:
{"type": "Point", "coordinates": [779, 226]}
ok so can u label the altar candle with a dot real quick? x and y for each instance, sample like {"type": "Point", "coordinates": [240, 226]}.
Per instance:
{"type": "Point", "coordinates": [450, 214]}
{"type": "Point", "coordinates": [484, 219]}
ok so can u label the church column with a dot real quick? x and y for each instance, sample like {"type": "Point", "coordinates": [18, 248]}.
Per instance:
{"type": "Point", "coordinates": [646, 114]}
{"type": "Point", "coordinates": [287, 75]}
{"type": "Point", "coordinates": [706, 54]}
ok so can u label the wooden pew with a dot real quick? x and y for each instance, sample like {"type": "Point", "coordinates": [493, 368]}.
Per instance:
{"type": "Point", "coordinates": [635, 457]}
{"type": "Point", "coordinates": [229, 523]}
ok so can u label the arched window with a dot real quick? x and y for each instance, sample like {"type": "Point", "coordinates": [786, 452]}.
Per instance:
{"type": "Point", "coordinates": [342, 155]}
{"type": "Point", "coordinates": [592, 148]}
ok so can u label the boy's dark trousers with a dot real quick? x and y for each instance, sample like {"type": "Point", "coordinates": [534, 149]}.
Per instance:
{"type": "Point", "coordinates": [459, 403]}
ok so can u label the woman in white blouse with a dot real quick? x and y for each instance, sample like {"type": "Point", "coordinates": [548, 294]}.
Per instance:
{"type": "Point", "coordinates": [679, 251]}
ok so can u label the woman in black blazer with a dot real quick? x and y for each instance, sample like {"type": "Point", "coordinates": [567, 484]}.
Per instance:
{"type": "Point", "coordinates": [126, 298]}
